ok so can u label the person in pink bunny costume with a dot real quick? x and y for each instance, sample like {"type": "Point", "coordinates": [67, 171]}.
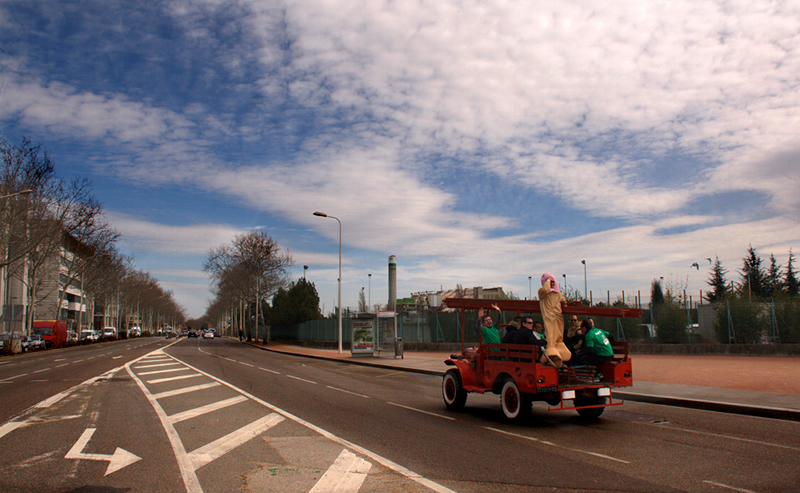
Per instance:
{"type": "Point", "coordinates": [550, 302]}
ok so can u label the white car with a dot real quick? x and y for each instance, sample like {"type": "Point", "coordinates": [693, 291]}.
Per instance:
{"type": "Point", "coordinates": [109, 332]}
{"type": "Point", "coordinates": [88, 335]}
{"type": "Point", "coordinates": [208, 334]}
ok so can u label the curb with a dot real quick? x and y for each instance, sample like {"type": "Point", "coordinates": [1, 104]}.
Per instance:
{"type": "Point", "coordinates": [721, 407]}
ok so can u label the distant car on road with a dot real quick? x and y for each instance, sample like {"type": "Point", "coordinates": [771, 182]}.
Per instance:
{"type": "Point", "coordinates": [192, 333]}
{"type": "Point", "coordinates": [208, 334]}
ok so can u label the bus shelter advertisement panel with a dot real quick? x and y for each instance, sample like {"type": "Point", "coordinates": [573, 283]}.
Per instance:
{"type": "Point", "coordinates": [363, 336]}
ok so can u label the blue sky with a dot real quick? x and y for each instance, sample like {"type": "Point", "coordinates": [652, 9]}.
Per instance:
{"type": "Point", "coordinates": [479, 142]}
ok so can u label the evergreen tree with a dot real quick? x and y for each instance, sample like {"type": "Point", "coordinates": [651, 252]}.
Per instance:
{"type": "Point", "coordinates": [753, 276]}
{"type": "Point", "coordinates": [790, 282]}
{"type": "Point", "coordinates": [295, 305]}
{"type": "Point", "coordinates": [717, 282]}
{"type": "Point", "coordinates": [773, 283]}
{"type": "Point", "coordinates": [656, 294]}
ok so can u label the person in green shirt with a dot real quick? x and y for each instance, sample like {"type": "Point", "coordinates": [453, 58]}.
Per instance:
{"type": "Point", "coordinates": [597, 346]}
{"type": "Point", "coordinates": [487, 328]}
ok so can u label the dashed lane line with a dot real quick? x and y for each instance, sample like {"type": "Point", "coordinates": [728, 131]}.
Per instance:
{"type": "Point", "coordinates": [421, 411]}
{"type": "Point", "coordinates": [348, 392]}
{"type": "Point", "coordinates": [270, 371]}
{"type": "Point", "coordinates": [302, 379]}
{"type": "Point", "coordinates": [594, 454]}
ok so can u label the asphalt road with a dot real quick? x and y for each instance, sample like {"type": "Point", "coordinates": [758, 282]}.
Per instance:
{"type": "Point", "coordinates": [216, 415]}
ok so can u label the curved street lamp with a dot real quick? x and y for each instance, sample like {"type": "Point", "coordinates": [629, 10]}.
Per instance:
{"type": "Point", "coordinates": [585, 284]}
{"type": "Point", "coordinates": [322, 214]}
{"type": "Point", "coordinates": [21, 192]}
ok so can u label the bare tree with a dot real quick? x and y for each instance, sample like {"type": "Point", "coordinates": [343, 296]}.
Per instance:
{"type": "Point", "coordinates": [264, 264]}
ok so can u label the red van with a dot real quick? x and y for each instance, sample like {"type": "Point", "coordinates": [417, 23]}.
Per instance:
{"type": "Point", "coordinates": [54, 332]}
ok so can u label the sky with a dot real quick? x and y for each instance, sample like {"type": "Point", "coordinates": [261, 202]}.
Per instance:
{"type": "Point", "coordinates": [480, 142]}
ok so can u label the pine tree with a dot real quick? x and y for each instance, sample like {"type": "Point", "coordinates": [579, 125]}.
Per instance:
{"type": "Point", "coordinates": [717, 282]}
{"type": "Point", "coordinates": [656, 294]}
{"type": "Point", "coordinates": [773, 283]}
{"type": "Point", "coordinates": [753, 276]}
{"type": "Point", "coordinates": [790, 282]}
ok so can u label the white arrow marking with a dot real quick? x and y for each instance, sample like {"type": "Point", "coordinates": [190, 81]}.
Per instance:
{"type": "Point", "coordinates": [117, 461]}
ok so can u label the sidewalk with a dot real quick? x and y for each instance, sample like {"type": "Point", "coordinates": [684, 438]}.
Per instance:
{"type": "Point", "coordinates": [765, 386]}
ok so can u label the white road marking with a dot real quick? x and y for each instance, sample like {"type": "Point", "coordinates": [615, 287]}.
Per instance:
{"type": "Point", "coordinates": [59, 359]}
{"type": "Point", "coordinates": [717, 435]}
{"type": "Point", "coordinates": [222, 446]}
{"type": "Point", "coordinates": [595, 454]}
{"type": "Point", "coordinates": [116, 357]}
{"type": "Point", "coordinates": [271, 371]}
{"type": "Point", "coordinates": [185, 390]}
{"type": "Point", "coordinates": [15, 376]}
{"type": "Point", "coordinates": [199, 411]}
{"type": "Point", "coordinates": [158, 372]}
{"type": "Point", "coordinates": [246, 364]}
{"type": "Point", "coordinates": [116, 461]}
{"type": "Point", "coordinates": [139, 367]}
{"type": "Point", "coordinates": [301, 379]}
{"type": "Point", "coordinates": [729, 487]}
{"type": "Point", "coordinates": [172, 379]}
{"type": "Point", "coordinates": [43, 369]}
{"type": "Point", "coordinates": [421, 411]}
{"type": "Point", "coordinates": [190, 478]}
{"type": "Point", "coordinates": [348, 392]}
{"type": "Point", "coordinates": [346, 475]}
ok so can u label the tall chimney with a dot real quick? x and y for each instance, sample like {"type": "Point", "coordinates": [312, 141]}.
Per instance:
{"type": "Point", "coordinates": [392, 282]}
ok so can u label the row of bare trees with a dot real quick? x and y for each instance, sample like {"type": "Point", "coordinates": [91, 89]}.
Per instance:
{"type": "Point", "coordinates": [53, 234]}
{"type": "Point", "coordinates": [245, 273]}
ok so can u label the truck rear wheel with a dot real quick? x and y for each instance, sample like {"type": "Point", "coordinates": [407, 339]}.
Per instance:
{"type": "Point", "coordinates": [515, 404]}
{"type": "Point", "coordinates": [591, 412]}
{"type": "Point", "coordinates": [453, 390]}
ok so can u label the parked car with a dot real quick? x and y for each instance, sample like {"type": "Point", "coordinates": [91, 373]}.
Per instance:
{"type": "Point", "coordinates": [110, 332]}
{"type": "Point", "coordinates": [135, 332]}
{"type": "Point", "coordinates": [88, 335]}
{"type": "Point", "coordinates": [25, 343]}
{"type": "Point", "coordinates": [208, 334]}
{"type": "Point", "coordinates": [72, 336]}
{"type": "Point", "coordinates": [36, 341]}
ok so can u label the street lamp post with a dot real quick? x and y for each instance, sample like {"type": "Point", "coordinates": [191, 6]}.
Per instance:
{"type": "Point", "coordinates": [530, 289]}
{"type": "Point", "coordinates": [369, 276]}
{"type": "Point", "coordinates": [585, 284]}
{"type": "Point", "coordinates": [322, 214]}
{"type": "Point", "coordinates": [21, 192]}
{"type": "Point", "coordinates": [305, 268]}
{"type": "Point", "coordinates": [565, 282]}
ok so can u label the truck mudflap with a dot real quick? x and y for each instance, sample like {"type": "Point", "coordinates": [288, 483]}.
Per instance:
{"type": "Point", "coordinates": [586, 399]}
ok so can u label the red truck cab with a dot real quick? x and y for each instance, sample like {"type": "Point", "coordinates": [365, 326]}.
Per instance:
{"type": "Point", "coordinates": [54, 332]}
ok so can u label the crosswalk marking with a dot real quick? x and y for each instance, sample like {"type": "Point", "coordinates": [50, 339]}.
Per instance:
{"type": "Point", "coordinates": [222, 446]}
{"type": "Point", "coordinates": [156, 372]}
{"type": "Point", "coordinates": [172, 379]}
{"type": "Point", "coordinates": [199, 411]}
{"type": "Point", "coordinates": [345, 475]}
{"type": "Point", "coordinates": [185, 390]}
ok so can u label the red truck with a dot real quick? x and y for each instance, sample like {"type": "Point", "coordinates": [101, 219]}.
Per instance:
{"type": "Point", "coordinates": [54, 332]}
{"type": "Point", "coordinates": [513, 371]}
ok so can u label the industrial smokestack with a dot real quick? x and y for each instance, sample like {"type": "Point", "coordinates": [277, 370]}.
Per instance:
{"type": "Point", "coordinates": [392, 282]}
